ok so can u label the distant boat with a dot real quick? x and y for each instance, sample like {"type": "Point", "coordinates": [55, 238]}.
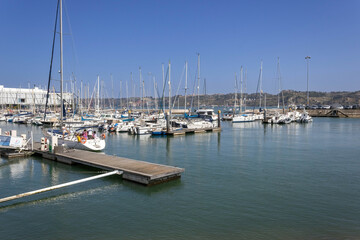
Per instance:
{"type": "Point", "coordinates": [207, 114]}
{"type": "Point", "coordinates": [227, 116]}
{"type": "Point", "coordinates": [304, 118]}
{"type": "Point", "coordinates": [243, 118]}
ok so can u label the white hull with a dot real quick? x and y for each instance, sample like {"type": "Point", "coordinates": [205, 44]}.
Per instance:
{"type": "Point", "coordinates": [71, 141]}
{"type": "Point", "coordinates": [243, 118]}
{"type": "Point", "coordinates": [90, 145]}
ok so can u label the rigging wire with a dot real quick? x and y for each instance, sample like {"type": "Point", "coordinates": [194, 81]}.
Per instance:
{"type": "Point", "coordinates": [52, 57]}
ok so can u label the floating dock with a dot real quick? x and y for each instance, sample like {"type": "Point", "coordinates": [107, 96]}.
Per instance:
{"type": "Point", "coordinates": [187, 130]}
{"type": "Point", "coordinates": [12, 152]}
{"type": "Point", "coordinates": [137, 171]}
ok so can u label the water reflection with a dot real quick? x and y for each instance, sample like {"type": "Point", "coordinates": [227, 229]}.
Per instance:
{"type": "Point", "coordinates": [156, 189]}
{"type": "Point", "coordinates": [254, 124]}
{"type": "Point", "coordinates": [18, 170]}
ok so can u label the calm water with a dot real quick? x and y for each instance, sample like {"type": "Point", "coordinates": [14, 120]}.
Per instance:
{"type": "Point", "coordinates": [248, 182]}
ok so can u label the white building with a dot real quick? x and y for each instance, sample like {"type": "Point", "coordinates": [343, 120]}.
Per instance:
{"type": "Point", "coordinates": [26, 97]}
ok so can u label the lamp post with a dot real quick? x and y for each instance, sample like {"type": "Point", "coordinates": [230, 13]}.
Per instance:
{"type": "Point", "coordinates": [307, 86]}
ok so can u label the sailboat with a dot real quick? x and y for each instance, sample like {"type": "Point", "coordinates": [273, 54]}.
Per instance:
{"type": "Point", "coordinates": [239, 118]}
{"type": "Point", "coordinates": [79, 138]}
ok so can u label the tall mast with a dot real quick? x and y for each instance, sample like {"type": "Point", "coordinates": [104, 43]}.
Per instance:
{"type": "Point", "coordinates": [236, 87]}
{"type": "Point", "coordinates": [163, 84]}
{"type": "Point", "coordinates": [143, 95]}
{"type": "Point", "coordinates": [155, 102]}
{"type": "Point", "coordinates": [186, 76]}
{"type": "Point", "coordinates": [112, 92]}
{"type": "Point", "coordinates": [198, 87]}
{"type": "Point", "coordinates": [88, 95]}
{"type": "Point", "coordinates": [102, 87]}
{"type": "Point", "coordinates": [127, 96]}
{"type": "Point", "coordinates": [140, 93]}
{"type": "Point", "coordinates": [75, 90]}
{"type": "Point", "coordinates": [245, 88]}
{"type": "Point", "coordinates": [61, 67]}
{"type": "Point", "coordinates": [241, 90]}
{"type": "Point", "coordinates": [98, 95]}
{"type": "Point", "coordinates": [121, 95]}
{"type": "Point", "coordinates": [169, 89]}
{"type": "Point", "coordinates": [81, 93]}
{"type": "Point", "coordinates": [132, 86]}
{"type": "Point", "coordinates": [260, 83]}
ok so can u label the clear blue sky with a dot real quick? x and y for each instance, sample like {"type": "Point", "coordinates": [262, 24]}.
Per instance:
{"type": "Point", "coordinates": [117, 37]}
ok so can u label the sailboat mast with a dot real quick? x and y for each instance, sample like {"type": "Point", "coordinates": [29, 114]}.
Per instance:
{"type": "Point", "coordinates": [127, 96]}
{"type": "Point", "coordinates": [245, 88]}
{"type": "Point", "coordinates": [241, 90]}
{"type": "Point", "coordinates": [260, 84]}
{"type": "Point", "coordinates": [143, 94]}
{"type": "Point", "coordinates": [121, 105]}
{"type": "Point", "coordinates": [198, 86]}
{"type": "Point", "coordinates": [155, 102]}
{"type": "Point", "coordinates": [61, 67]}
{"type": "Point", "coordinates": [169, 90]}
{"type": "Point", "coordinates": [98, 95]}
{"type": "Point", "coordinates": [186, 79]}
{"type": "Point", "coordinates": [163, 84]}
{"type": "Point", "coordinates": [81, 95]}
{"type": "Point", "coordinates": [133, 87]}
{"type": "Point", "coordinates": [140, 93]}
{"type": "Point", "coordinates": [112, 104]}
{"type": "Point", "coordinates": [235, 100]}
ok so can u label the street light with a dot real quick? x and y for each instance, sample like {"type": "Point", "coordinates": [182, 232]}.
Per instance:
{"type": "Point", "coordinates": [307, 88]}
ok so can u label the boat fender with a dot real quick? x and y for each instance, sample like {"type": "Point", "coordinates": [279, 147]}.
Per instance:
{"type": "Point", "coordinates": [78, 138]}
{"type": "Point", "coordinates": [103, 136]}
{"type": "Point", "coordinates": [83, 140]}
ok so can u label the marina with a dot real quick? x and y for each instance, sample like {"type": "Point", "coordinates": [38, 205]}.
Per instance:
{"type": "Point", "coordinates": [175, 120]}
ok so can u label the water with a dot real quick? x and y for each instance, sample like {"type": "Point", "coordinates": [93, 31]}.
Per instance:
{"type": "Point", "coordinates": [248, 182]}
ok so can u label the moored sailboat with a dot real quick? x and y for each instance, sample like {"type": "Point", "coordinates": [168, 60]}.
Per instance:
{"type": "Point", "coordinates": [72, 139]}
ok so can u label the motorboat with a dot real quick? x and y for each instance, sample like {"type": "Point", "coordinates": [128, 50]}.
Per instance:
{"type": "Point", "coordinates": [304, 118]}
{"type": "Point", "coordinates": [207, 114]}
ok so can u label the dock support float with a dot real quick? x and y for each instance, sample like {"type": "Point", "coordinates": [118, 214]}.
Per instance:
{"type": "Point", "coordinates": [59, 186]}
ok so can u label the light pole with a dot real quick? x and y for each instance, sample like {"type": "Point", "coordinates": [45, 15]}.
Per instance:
{"type": "Point", "coordinates": [307, 86]}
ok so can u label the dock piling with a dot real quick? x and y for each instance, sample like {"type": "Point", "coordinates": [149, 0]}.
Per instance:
{"type": "Point", "coordinates": [219, 119]}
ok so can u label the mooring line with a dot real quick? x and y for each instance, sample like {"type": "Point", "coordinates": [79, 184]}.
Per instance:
{"type": "Point", "coordinates": [59, 186]}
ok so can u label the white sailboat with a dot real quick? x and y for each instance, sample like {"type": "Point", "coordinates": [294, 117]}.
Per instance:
{"type": "Point", "coordinates": [240, 118]}
{"type": "Point", "coordinates": [73, 139]}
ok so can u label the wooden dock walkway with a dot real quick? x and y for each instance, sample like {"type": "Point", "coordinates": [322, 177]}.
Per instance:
{"type": "Point", "coordinates": [187, 130]}
{"type": "Point", "coordinates": [137, 171]}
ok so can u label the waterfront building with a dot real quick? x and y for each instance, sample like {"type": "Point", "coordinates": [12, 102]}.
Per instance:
{"type": "Point", "coordinates": [31, 97]}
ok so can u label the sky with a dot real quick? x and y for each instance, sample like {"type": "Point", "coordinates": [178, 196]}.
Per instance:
{"type": "Point", "coordinates": [114, 38]}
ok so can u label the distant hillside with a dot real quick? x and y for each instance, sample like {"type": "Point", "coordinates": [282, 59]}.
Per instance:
{"type": "Point", "coordinates": [290, 97]}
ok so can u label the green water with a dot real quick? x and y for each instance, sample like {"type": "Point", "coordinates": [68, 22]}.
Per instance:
{"type": "Point", "coordinates": [248, 182]}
